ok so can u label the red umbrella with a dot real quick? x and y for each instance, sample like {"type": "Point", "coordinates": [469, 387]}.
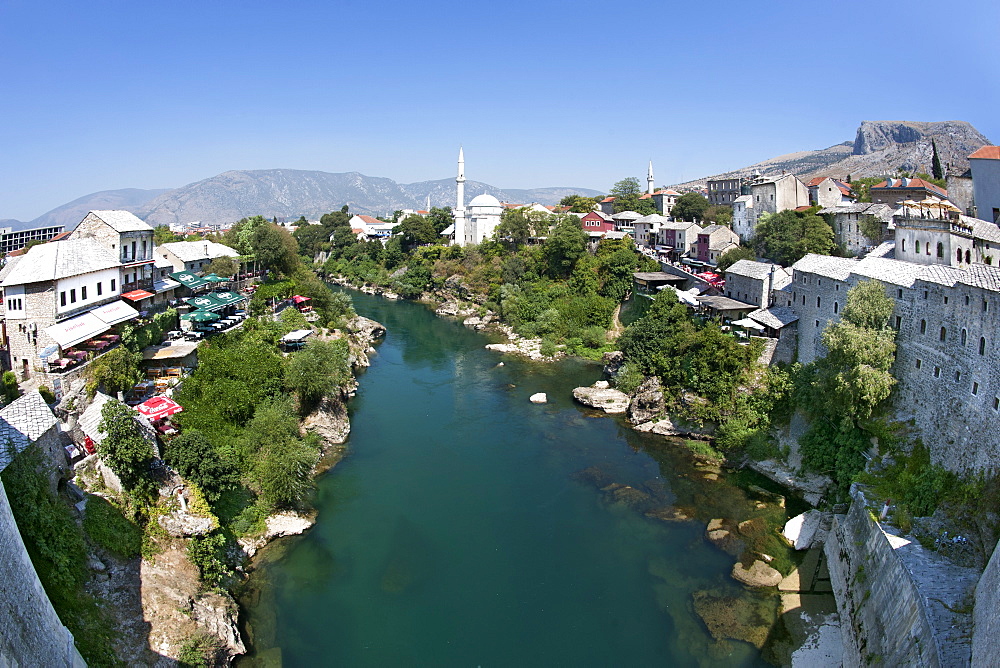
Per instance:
{"type": "Point", "coordinates": [158, 408]}
{"type": "Point", "coordinates": [298, 299]}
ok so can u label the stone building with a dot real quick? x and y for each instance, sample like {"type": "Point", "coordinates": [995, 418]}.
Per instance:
{"type": "Point", "coordinates": [829, 192]}
{"type": "Point", "coordinates": [193, 256]}
{"type": "Point", "coordinates": [754, 282]}
{"type": "Point", "coordinates": [646, 228]}
{"type": "Point", "coordinates": [713, 241]}
{"type": "Point", "coordinates": [663, 200]}
{"type": "Point", "coordinates": [767, 195]}
{"type": "Point", "coordinates": [947, 359]}
{"type": "Point", "coordinates": [723, 191]}
{"type": "Point", "coordinates": [938, 235]}
{"type": "Point", "coordinates": [985, 167]}
{"type": "Point", "coordinates": [131, 239]}
{"type": "Point", "coordinates": [678, 238]}
{"type": "Point", "coordinates": [744, 221]}
{"type": "Point", "coordinates": [846, 221]}
{"type": "Point", "coordinates": [895, 191]}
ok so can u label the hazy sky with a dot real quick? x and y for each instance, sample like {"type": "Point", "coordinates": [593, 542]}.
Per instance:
{"type": "Point", "coordinates": [106, 95]}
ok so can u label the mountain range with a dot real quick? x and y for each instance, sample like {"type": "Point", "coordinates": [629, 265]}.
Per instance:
{"type": "Point", "coordinates": [879, 148]}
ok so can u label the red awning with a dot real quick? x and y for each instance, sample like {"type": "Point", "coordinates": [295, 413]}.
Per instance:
{"type": "Point", "coordinates": [158, 408]}
{"type": "Point", "coordinates": [298, 299]}
{"type": "Point", "coordinates": [136, 295]}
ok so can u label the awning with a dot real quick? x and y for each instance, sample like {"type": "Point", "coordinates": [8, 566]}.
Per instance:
{"type": "Point", "coordinates": [158, 408]}
{"type": "Point", "coordinates": [748, 323]}
{"type": "Point", "coordinates": [73, 331]}
{"type": "Point", "coordinates": [205, 303]}
{"type": "Point", "coordinates": [227, 298]}
{"type": "Point", "coordinates": [115, 312]}
{"type": "Point", "coordinates": [298, 299]}
{"type": "Point", "coordinates": [136, 295]}
{"type": "Point", "coordinates": [296, 336]}
{"type": "Point", "coordinates": [165, 284]}
{"type": "Point", "coordinates": [188, 279]}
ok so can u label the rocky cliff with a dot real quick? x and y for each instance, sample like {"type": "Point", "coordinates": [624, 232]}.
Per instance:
{"type": "Point", "coordinates": [879, 148]}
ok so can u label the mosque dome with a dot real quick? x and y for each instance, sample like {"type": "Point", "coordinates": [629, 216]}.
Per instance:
{"type": "Point", "coordinates": [484, 200]}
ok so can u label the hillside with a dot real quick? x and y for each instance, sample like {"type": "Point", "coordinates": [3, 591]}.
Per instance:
{"type": "Point", "coordinates": [879, 148]}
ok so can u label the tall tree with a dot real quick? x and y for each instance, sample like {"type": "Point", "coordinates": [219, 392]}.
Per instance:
{"type": "Point", "coordinates": [564, 246]}
{"type": "Point", "coordinates": [785, 237]}
{"type": "Point", "coordinates": [125, 449]}
{"type": "Point", "coordinates": [690, 207]}
{"type": "Point", "coordinates": [275, 248]}
{"type": "Point", "coordinates": [936, 170]}
{"type": "Point", "coordinates": [628, 193]}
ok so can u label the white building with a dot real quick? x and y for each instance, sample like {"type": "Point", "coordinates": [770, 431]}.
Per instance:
{"type": "Point", "coordinates": [481, 219]}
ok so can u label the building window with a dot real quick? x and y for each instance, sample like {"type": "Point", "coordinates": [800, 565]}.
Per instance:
{"type": "Point", "coordinates": [836, 307]}
{"type": "Point", "coordinates": [62, 299]}
{"type": "Point", "coordinates": [918, 245]}
{"type": "Point", "coordinates": [83, 293]}
{"type": "Point", "coordinates": [975, 388]}
{"type": "Point", "coordinates": [944, 334]}
{"type": "Point", "coordinates": [968, 257]}
{"type": "Point", "coordinates": [966, 300]}
{"type": "Point", "coordinates": [965, 335]}
{"type": "Point", "coordinates": [923, 326]}
{"type": "Point", "coordinates": [996, 403]}
{"type": "Point", "coordinates": [937, 372]}
{"type": "Point", "coordinates": [919, 364]}
{"type": "Point", "coordinates": [946, 300]}
{"type": "Point", "coordinates": [112, 285]}
{"type": "Point", "coordinates": [982, 345]}
{"type": "Point", "coordinates": [958, 255]}
{"type": "Point", "coordinates": [925, 294]}
{"type": "Point", "coordinates": [904, 245]}
{"type": "Point", "coordinates": [899, 321]}
{"type": "Point", "coordinates": [99, 290]}
{"type": "Point", "coordinates": [818, 301]}
{"type": "Point", "coordinates": [899, 293]}
{"type": "Point", "coordinates": [958, 376]}
{"type": "Point", "coordinates": [72, 296]}
{"type": "Point", "coordinates": [940, 250]}
{"type": "Point", "coordinates": [817, 324]}
{"type": "Point", "coordinates": [986, 306]}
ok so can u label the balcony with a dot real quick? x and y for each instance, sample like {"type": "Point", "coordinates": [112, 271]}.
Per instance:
{"type": "Point", "coordinates": [141, 284]}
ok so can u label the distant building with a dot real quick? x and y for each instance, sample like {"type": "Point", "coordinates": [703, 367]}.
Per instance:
{"type": "Point", "coordinates": [938, 236]}
{"type": "Point", "coordinates": [597, 222]}
{"type": "Point", "coordinates": [645, 229]}
{"type": "Point", "coordinates": [753, 282]}
{"type": "Point", "coordinates": [12, 241]}
{"type": "Point", "coordinates": [679, 239]}
{"type": "Point", "coordinates": [193, 256]}
{"type": "Point", "coordinates": [846, 219]}
{"type": "Point", "coordinates": [985, 167]}
{"type": "Point", "coordinates": [723, 191]}
{"type": "Point", "coordinates": [767, 195]}
{"type": "Point", "coordinates": [371, 228]}
{"type": "Point", "coordinates": [713, 241]}
{"type": "Point", "coordinates": [607, 205]}
{"type": "Point", "coordinates": [894, 191]}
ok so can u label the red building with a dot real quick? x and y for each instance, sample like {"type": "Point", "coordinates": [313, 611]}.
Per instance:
{"type": "Point", "coordinates": [597, 221]}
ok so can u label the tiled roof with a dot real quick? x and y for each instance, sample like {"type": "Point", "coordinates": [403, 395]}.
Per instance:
{"type": "Point", "coordinates": [61, 236]}
{"type": "Point", "coordinates": [982, 229]}
{"type": "Point", "coordinates": [192, 251]}
{"type": "Point", "coordinates": [886, 249]}
{"type": "Point", "coordinates": [753, 269]}
{"type": "Point", "coordinates": [607, 199]}
{"type": "Point", "coordinates": [22, 422]}
{"type": "Point", "coordinates": [122, 221]}
{"type": "Point", "coordinates": [713, 228]}
{"type": "Point", "coordinates": [816, 181]}
{"type": "Point", "coordinates": [8, 267]}
{"type": "Point", "coordinates": [910, 184]}
{"type": "Point", "coordinates": [883, 212]}
{"type": "Point", "coordinates": [838, 268]}
{"type": "Point", "coordinates": [59, 259]}
{"type": "Point", "coordinates": [895, 272]}
{"type": "Point", "coordinates": [667, 192]}
{"type": "Point", "coordinates": [775, 317]}
{"type": "Point", "coordinates": [987, 152]}
{"type": "Point", "coordinates": [627, 215]}
{"type": "Point", "coordinates": [654, 218]}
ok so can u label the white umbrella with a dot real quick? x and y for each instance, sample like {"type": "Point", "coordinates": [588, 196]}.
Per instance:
{"type": "Point", "coordinates": [749, 324]}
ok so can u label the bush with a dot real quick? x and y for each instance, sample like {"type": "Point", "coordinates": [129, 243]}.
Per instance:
{"type": "Point", "coordinates": [47, 395]}
{"type": "Point", "coordinates": [10, 389]}
{"type": "Point", "coordinates": [548, 348]}
{"type": "Point", "coordinates": [209, 554]}
{"type": "Point", "coordinates": [629, 378]}
{"type": "Point", "coordinates": [110, 529]}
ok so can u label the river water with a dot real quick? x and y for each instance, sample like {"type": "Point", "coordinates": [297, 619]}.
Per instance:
{"type": "Point", "coordinates": [459, 530]}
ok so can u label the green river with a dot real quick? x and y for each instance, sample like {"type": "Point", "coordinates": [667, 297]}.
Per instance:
{"type": "Point", "coordinates": [470, 527]}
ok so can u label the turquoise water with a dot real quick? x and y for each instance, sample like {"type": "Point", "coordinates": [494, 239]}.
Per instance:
{"type": "Point", "coordinates": [455, 533]}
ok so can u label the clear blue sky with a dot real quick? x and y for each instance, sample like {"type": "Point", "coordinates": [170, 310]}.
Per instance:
{"type": "Point", "coordinates": [105, 95]}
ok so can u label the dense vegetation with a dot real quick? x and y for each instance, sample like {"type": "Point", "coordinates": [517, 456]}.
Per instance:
{"type": "Point", "coordinates": [560, 289]}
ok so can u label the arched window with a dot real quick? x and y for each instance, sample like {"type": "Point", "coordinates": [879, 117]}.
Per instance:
{"type": "Point", "coordinates": [917, 245]}
{"type": "Point", "coordinates": [965, 335]}
{"type": "Point", "coordinates": [968, 257]}
{"type": "Point", "coordinates": [904, 245]}
{"type": "Point", "coordinates": [923, 326]}
{"type": "Point", "coordinates": [940, 250]}
{"type": "Point", "coordinates": [817, 302]}
{"type": "Point", "coordinates": [944, 334]}
{"type": "Point", "coordinates": [958, 255]}
{"type": "Point", "coordinates": [982, 345]}
{"type": "Point", "coordinates": [836, 307]}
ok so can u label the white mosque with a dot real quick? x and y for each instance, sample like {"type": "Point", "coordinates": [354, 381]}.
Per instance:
{"type": "Point", "coordinates": [479, 221]}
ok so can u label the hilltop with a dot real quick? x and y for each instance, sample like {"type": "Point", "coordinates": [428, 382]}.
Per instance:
{"type": "Point", "coordinates": [879, 148]}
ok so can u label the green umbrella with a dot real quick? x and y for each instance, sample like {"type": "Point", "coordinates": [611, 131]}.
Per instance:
{"type": "Point", "coordinates": [201, 316]}
{"type": "Point", "coordinates": [214, 278]}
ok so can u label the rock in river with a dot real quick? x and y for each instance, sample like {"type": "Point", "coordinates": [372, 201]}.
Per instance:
{"type": "Point", "coordinates": [758, 575]}
{"type": "Point", "coordinates": [538, 398]}
{"type": "Point", "coordinates": [607, 400]}
{"type": "Point", "coordinates": [647, 404]}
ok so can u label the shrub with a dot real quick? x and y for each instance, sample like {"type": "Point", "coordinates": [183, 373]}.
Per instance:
{"type": "Point", "coordinates": [46, 394]}
{"type": "Point", "coordinates": [548, 348]}
{"type": "Point", "coordinates": [110, 529]}
{"type": "Point", "coordinates": [629, 378]}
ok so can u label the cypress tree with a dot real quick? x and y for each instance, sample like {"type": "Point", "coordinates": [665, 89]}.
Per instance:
{"type": "Point", "coordinates": [936, 170]}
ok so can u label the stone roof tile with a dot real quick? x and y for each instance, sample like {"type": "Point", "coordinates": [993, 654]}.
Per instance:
{"type": "Point", "coordinates": [22, 422]}
{"type": "Point", "coordinates": [123, 221]}
{"type": "Point", "coordinates": [60, 259]}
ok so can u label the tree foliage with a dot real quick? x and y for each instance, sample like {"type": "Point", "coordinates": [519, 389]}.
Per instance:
{"type": "Point", "coordinates": [628, 197]}
{"type": "Point", "coordinates": [564, 246]}
{"type": "Point", "coordinates": [278, 461]}
{"type": "Point", "coordinates": [195, 458]}
{"type": "Point", "coordinates": [116, 371]}
{"type": "Point", "coordinates": [734, 255]}
{"type": "Point", "coordinates": [787, 236]}
{"type": "Point", "coordinates": [275, 248]}
{"type": "Point", "coordinates": [318, 370]}
{"type": "Point", "coordinates": [125, 450]}
{"type": "Point", "coordinates": [579, 203]}
{"type": "Point", "coordinates": [690, 207]}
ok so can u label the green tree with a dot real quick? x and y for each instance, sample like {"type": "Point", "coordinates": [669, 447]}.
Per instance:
{"type": "Point", "coordinates": [416, 231]}
{"type": "Point", "coordinates": [275, 248]}
{"type": "Point", "coordinates": [579, 203]}
{"type": "Point", "coordinates": [564, 246]}
{"type": "Point", "coordinates": [936, 169]}
{"type": "Point", "coordinates": [224, 266]}
{"type": "Point", "coordinates": [125, 450]}
{"type": "Point", "coordinates": [192, 455]}
{"type": "Point", "coordinates": [278, 460]}
{"type": "Point", "coordinates": [734, 255]}
{"type": "Point", "coordinates": [440, 217]}
{"type": "Point", "coordinates": [116, 371]}
{"type": "Point", "coordinates": [311, 239]}
{"type": "Point", "coordinates": [163, 235]}
{"type": "Point", "coordinates": [787, 236]}
{"type": "Point", "coordinates": [240, 236]}
{"type": "Point", "coordinates": [690, 207]}
{"type": "Point", "coordinates": [719, 214]}
{"type": "Point", "coordinates": [628, 197]}
{"type": "Point", "coordinates": [515, 227]}
{"type": "Point", "coordinates": [318, 370]}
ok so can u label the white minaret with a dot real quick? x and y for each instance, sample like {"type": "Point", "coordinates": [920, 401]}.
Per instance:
{"type": "Point", "coordinates": [649, 179]}
{"type": "Point", "coordinates": [460, 221]}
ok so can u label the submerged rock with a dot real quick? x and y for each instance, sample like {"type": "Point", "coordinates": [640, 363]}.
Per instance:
{"type": "Point", "coordinates": [608, 400]}
{"type": "Point", "coordinates": [735, 617]}
{"type": "Point", "coordinates": [758, 574]}
{"type": "Point", "coordinates": [538, 398]}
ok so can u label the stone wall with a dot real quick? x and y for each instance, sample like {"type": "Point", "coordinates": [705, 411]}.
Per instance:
{"type": "Point", "coordinates": [899, 599]}
{"type": "Point", "coordinates": [30, 631]}
{"type": "Point", "coordinates": [986, 638]}
{"type": "Point", "coordinates": [948, 345]}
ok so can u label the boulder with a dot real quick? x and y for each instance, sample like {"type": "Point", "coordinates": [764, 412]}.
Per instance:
{"type": "Point", "coordinates": [613, 362]}
{"type": "Point", "coordinates": [647, 404]}
{"type": "Point", "coordinates": [758, 575]}
{"type": "Point", "coordinates": [662, 427]}
{"type": "Point", "coordinates": [180, 524]}
{"type": "Point", "coordinates": [608, 400]}
{"type": "Point", "coordinates": [287, 524]}
{"type": "Point", "coordinates": [365, 327]}
{"type": "Point", "coordinates": [538, 398]}
{"type": "Point", "coordinates": [330, 421]}
{"type": "Point", "coordinates": [801, 529]}
{"type": "Point", "coordinates": [602, 384]}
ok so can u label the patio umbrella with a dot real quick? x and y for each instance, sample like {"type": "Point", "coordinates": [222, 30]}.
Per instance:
{"type": "Point", "coordinates": [298, 299]}
{"type": "Point", "coordinates": [747, 323]}
{"type": "Point", "coordinates": [158, 408]}
{"type": "Point", "coordinates": [214, 278]}
{"type": "Point", "coordinates": [201, 316]}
